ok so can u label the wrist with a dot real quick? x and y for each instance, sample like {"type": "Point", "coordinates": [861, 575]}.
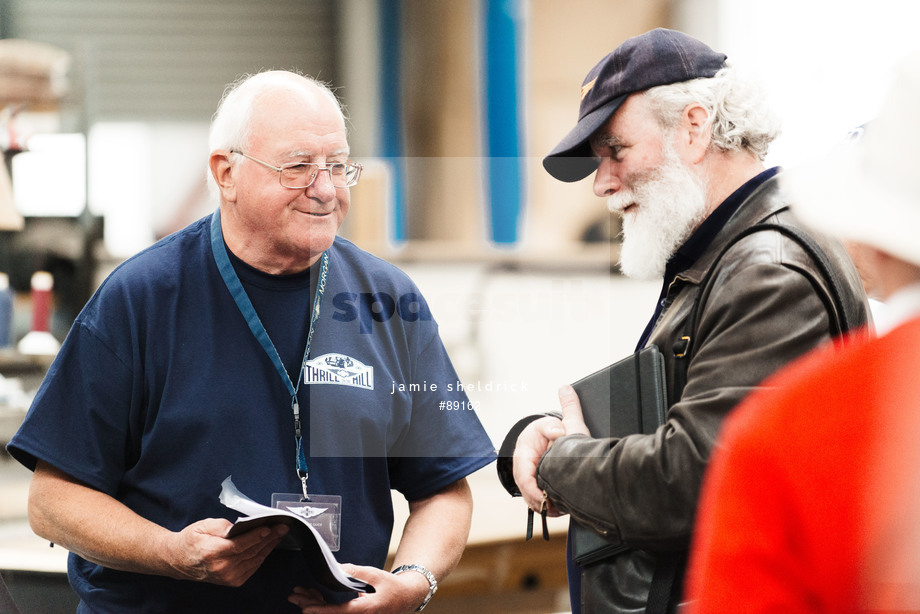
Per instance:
{"type": "Point", "coordinates": [168, 563]}
{"type": "Point", "coordinates": [426, 575]}
{"type": "Point", "coordinates": [505, 462]}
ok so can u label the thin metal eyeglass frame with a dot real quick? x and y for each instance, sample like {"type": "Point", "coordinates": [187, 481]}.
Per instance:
{"type": "Point", "coordinates": [316, 173]}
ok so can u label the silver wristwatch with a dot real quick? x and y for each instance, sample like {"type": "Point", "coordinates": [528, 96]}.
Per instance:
{"type": "Point", "coordinates": [432, 581]}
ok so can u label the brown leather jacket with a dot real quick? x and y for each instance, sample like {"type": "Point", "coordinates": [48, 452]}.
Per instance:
{"type": "Point", "coordinates": [766, 305]}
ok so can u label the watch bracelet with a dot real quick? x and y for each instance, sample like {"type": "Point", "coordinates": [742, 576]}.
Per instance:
{"type": "Point", "coordinates": [432, 581]}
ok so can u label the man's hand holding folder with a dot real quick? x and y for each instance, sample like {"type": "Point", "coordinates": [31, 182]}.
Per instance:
{"type": "Point", "coordinates": [537, 438]}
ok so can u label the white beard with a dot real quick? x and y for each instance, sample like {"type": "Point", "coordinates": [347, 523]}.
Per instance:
{"type": "Point", "coordinates": [671, 203]}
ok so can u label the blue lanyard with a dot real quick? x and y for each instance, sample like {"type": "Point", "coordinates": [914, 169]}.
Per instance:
{"type": "Point", "coordinates": [232, 281]}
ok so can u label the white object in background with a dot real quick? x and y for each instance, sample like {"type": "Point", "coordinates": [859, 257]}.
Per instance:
{"type": "Point", "coordinates": [39, 341]}
{"type": "Point", "coordinates": [49, 179]}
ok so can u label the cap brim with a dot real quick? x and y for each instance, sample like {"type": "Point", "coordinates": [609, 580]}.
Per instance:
{"type": "Point", "coordinates": [572, 159]}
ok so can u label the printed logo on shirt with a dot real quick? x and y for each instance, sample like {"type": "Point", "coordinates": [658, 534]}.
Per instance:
{"type": "Point", "coordinates": [339, 369]}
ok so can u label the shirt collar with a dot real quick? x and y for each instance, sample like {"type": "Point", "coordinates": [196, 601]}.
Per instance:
{"type": "Point", "coordinates": [694, 247]}
{"type": "Point", "coordinates": [900, 307]}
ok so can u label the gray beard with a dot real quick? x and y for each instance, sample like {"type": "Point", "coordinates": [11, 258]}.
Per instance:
{"type": "Point", "coordinates": [671, 205]}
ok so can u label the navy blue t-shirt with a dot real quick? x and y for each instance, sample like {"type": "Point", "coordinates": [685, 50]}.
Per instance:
{"type": "Point", "coordinates": [160, 391]}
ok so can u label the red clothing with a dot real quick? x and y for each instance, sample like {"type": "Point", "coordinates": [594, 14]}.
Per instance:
{"type": "Point", "coordinates": [812, 497]}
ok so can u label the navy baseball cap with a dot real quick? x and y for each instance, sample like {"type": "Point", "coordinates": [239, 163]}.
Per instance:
{"type": "Point", "coordinates": [658, 57]}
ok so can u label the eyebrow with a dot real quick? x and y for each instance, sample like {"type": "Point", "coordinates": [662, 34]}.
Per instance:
{"type": "Point", "coordinates": [605, 140]}
{"type": "Point", "coordinates": [302, 153]}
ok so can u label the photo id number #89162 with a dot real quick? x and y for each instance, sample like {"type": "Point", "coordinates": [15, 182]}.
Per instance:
{"type": "Point", "coordinates": [457, 406]}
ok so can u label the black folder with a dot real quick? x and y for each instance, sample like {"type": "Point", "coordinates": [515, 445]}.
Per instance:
{"type": "Point", "coordinates": [625, 398]}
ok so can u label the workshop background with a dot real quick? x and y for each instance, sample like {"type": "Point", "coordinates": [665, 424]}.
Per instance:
{"type": "Point", "coordinates": [104, 113]}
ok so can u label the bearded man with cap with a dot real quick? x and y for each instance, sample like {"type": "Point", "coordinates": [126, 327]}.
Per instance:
{"type": "Point", "coordinates": [676, 142]}
{"type": "Point", "coordinates": [816, 511]}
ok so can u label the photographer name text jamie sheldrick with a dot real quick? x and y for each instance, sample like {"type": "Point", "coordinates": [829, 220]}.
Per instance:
{"type": "Point", "coordinates": [458, 386]}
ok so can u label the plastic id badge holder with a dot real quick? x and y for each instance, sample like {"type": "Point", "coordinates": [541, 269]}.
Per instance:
{"type": "Point", "coordinates": [322, 512]}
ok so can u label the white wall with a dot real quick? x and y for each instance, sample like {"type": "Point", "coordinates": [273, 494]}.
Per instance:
{"type": "Point", "coordinates": [825, 64]}
{"type": "Point", "coordinates": [515, 337]}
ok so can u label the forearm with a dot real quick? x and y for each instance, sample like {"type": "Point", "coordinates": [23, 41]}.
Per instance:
{"type": "Point", "coordinates": [102, 530]}
{"type": "Point", "coordinates": [437, 529]}
{"type": "Point", "coordinates": [94, 525]}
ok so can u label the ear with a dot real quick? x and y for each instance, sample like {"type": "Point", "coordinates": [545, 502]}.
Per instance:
{"type": "Point", "coordinates": [889, 273]}
{"type": "Point", "coordinates": [695, 133]}
{"type": "Point", "coordinates": [222, 170]}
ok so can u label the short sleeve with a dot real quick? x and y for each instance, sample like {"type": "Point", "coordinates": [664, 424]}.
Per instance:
{"type": "Point", "coordinates": [79, 419]}
{"type": "Point", "coordinates": [445, 440]}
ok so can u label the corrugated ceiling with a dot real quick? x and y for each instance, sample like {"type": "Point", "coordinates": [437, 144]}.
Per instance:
{"type": "Point", "coordinates": [170, 59]}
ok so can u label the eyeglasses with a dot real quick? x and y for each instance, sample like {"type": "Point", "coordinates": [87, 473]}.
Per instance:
{"type": "Point", "coordinates": [301, 175]}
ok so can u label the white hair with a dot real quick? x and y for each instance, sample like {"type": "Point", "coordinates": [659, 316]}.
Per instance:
{"type": "Point", "coordinates": [739, 116]}
{"type": "Point", "coordinates": [230, 126]}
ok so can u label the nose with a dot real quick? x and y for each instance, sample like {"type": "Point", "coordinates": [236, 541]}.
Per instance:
{"type": "Point", "coordinates": [606, 180]}
{"type": "Point", "coordinates": [322, 189]}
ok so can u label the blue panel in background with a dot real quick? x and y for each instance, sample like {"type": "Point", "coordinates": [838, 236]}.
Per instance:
{"type": "Point", "coordinates": [391, 131]}
{"type": "Point", "coordinates": [504, 178]}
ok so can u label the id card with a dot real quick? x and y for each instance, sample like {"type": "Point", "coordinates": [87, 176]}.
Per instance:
{"type": "Point", "coordinates": [322, 512]}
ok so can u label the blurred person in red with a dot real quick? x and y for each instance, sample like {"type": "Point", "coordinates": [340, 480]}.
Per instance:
{"type": "Point", "coordinates": [812, 499]}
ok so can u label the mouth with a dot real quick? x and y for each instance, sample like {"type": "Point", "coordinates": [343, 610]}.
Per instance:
{"type": "Point", "coordinates": [315, 213]}
{"type": "Point", "coordinates": [626, 211]}
{"type": "Point", "coordinates": [621, 204]}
